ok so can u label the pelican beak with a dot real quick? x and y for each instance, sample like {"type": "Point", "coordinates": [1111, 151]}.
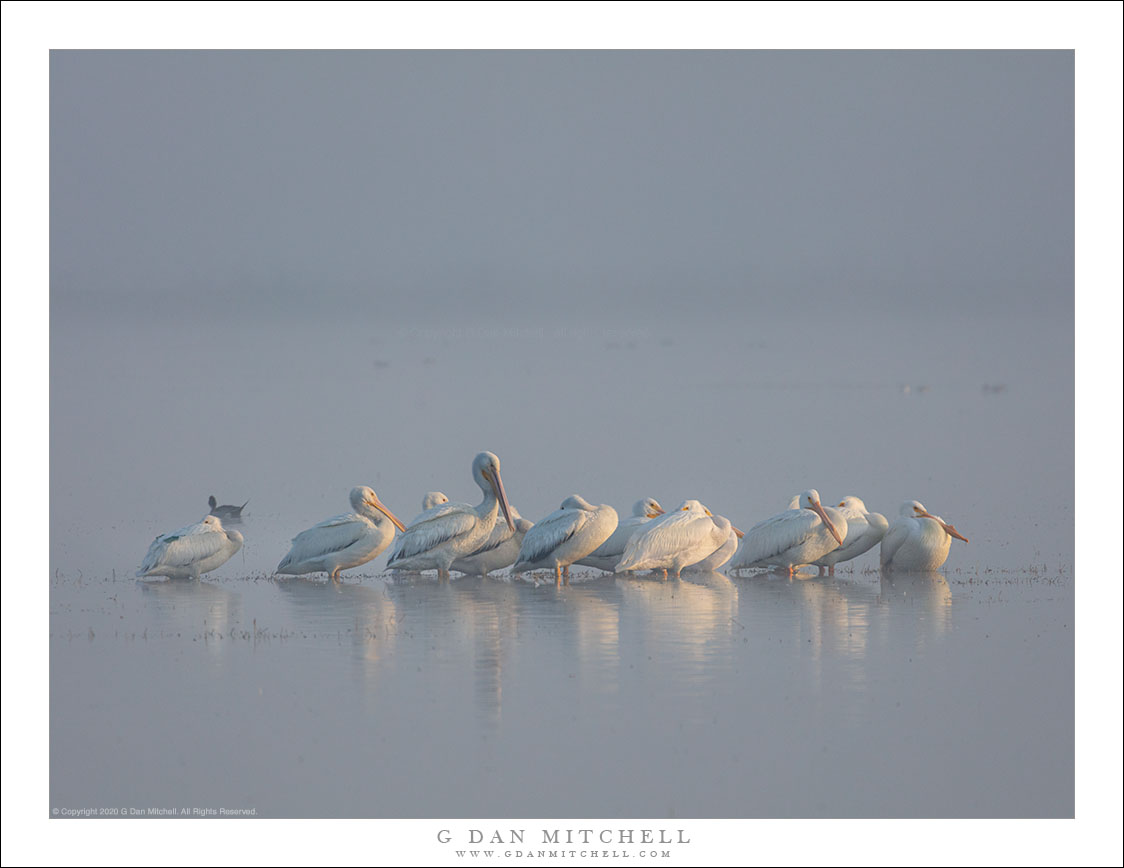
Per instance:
{"type": "Point", "coordinates": [655, 511]}
{"type": "Point", "coordinates": [381, 507]}
{"type": "Point", "coordinates": [948, 528]}
{"type": "Point", "coordinates": [951, 531]}
{"type": "Point", "coordinates": [501, 495]}
{"type": "Point", "coordinates": [740, 533]}
{"type": "Point", "coordinates": [818, 510]}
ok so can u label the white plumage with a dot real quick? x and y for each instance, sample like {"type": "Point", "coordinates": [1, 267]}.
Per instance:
{"type": "Point", "coordinates": [432, 499]}
{"type": "Point", "coordinates": [917, 541]}
{"type": "Point", "coordinates": [721, 555]}
{"type": "Point", "coordinates": [864, 531]}
{"type": "Point", "coordinates": [499, 550]}
{"type": "Point", "coordinates": [565, 536]}
{"type": "Point", "coordinates": [343, 541]}
{"type": "Point", "coordinates": [444, 533]}
{"type": "Point", "coordinates": [430, 502]}
{"type": "Point", "coordinates": [686, 535]}
{"type": "Point", "coordinates": [189, 552]}
{"type": "Point", "coordinates": [606, 555]}
{"type": "Point", "coordinates": [793, 537]}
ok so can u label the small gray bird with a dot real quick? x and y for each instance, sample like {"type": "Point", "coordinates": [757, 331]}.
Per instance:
{"type": "Point", "coordinates": [226, 513]}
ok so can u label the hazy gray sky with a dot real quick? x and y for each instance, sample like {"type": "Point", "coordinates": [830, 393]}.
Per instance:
{"type": "Point", "coordinates": [536, 185]}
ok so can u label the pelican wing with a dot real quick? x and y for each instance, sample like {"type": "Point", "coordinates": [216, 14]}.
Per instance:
{"type": "Point", "coordinates": [892, 541]}
{"type": "Point", "coordinates": [436, 512]}
{"type": "Point", "coordinates": [331, 535]}
{"type": "Point", "coordinates": [615, 544]}
{"type": "Point", "coordinates": [501, 533]}
{"type": "Point", "coordinates": [442, 524]}
{"type": "Point", "coordinates": [547, 535]}
{"type": "Point", "coordinates": [184, 547]}
{"type": "Point", "coordinates": [663, 538]}
{"type": "Point", "coordinates": [776, 535]}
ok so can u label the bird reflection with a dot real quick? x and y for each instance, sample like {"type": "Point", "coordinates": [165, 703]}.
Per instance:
{"type": "Point", "coordinates": [925, 597]}
{"type": "Point", "coordinates": [363, 614]}
{"type": "Point", "coordinates": [199, 609]}
{"type": "Point", "coordinates": [690, 619]}
{"type": "Point", "coordinates": [488, 611]}
{"type": "Point", "coordinates": [593, 610]}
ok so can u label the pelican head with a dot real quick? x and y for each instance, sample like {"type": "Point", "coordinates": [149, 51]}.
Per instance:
{"type": "Point", "coordinates": [432, 499]}
{"type": "Point", "coordinates": [852, 502]}
{"type": "Point", "coordinates": [364, 499]}
{"type": "Point", "coordinates": [212, 521]}
{"type": "Point", "coordinates": [914, 509]}
{"type": "Point", "coordinates": [810, 499]}
{"type": "Point", "coordinates": [692, 506]}
{"type": "Point", "coordinates": [576, 501]}
{"type": "Point", "coordinates": [486, 472]}
{"type": "Point", "coordinates": [648, 507]}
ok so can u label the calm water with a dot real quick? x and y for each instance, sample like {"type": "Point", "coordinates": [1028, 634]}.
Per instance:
{"type": "Point", "coordinates": [713, 696]}
{"type": "Point", "coordinates": [852, 696]}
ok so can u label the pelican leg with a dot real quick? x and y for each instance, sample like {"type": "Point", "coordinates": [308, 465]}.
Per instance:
{"type": "Point", "coordinates": [557, 574]}
{"type": "Point", "coordinates": [665, 575]}
{"type": "Point", "coordinates": [678, 572]}
{"type": "Point", "coordinates": [791, 571]}
{"type": "Point", "coordinates": [822, 570]}
{"type": "Point", "coordinates": [442, 574]}
{"type": "Point", "coordinates": [831, 570]}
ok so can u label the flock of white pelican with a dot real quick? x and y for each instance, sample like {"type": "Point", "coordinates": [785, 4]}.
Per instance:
{"type": "Point", "coordinates": [490, 536]}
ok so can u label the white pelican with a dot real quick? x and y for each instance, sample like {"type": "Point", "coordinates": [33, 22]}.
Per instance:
{"type": "Point", "coordinates": [606, 555]}
{"type": "Point", "coordinates": [722, 554]}
{"type": "Point", "coordinates": [430, 502]}
{"type": "Point", "coordinates": [793, 537]}
{"type": "Point", "coordinates": [226, 513]}
{"type": "Point", "coordinates": [499, 550]}
{"type": "Point", "coordinates": [189, 552]}
{"type": "Point", "coordinates": [432, 499]}
{"type": "Point", "coordinates": [343, 541]}
{"type": "Point", "coordinates": [686, 535]}
{"type": "Point", "coordinates": [864, 531]}
{"type": "Point", "coordinates": [917, 541]}
{"type": "Point", "coordinates": [444, 533]}
{"type": "Point", "coordinates": [565, 536]}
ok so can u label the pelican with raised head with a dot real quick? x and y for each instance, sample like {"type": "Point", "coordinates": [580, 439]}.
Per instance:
{"type": "Point", "coordinates": [606, 555]}
{"type": "Point", "coordinates": [793, 537]}
{"type": "Point", "coordinates": [688, 534]}
{"type": "Point", "coordinates": [189, 552]}
{"type": "Point", "coordinates": [343, 541]}
{"type": "Point", "coordinates": [917, 541]}
{"type": "Point", "coordinates": [565, 536]}
{"type": "Point", "coordinates": [444, 533]}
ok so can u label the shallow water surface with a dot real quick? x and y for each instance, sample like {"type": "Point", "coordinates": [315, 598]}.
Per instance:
{"type": "Point", "coordinates": [713, 696]}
